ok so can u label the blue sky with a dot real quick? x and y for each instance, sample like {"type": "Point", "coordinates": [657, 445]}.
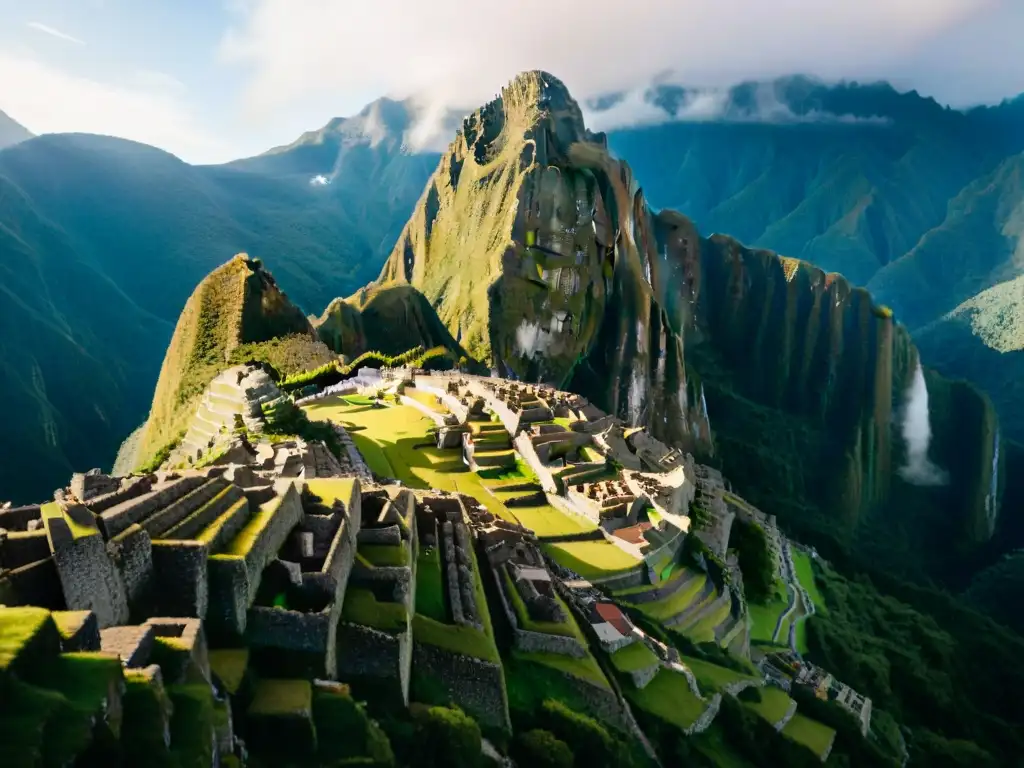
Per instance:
{"type": "Point", "coordinates": [217, 79]}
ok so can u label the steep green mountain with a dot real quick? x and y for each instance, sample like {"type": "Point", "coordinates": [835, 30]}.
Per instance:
{"type": "Point", "coordinates": [545, 262]}
{"type": "Point", "coordinates": [390, 320]}
{"type": "Point", "coordinates": [979, 244]}
{"type": "Point", "coordinates": [535, 246]}
{"type": "Point", "coordinates": [921, 204]}
{"type": "Point", "coordinates": [11, 131]}
{"type": "Point", "coordinates": [236, 304]}
{"type": "Point", "coordinates": [983, 341]}
{"type": "Point", "coordinates": [103, 241]}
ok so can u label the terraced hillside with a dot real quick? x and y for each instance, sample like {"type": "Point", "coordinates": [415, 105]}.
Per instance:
{"type": "Point", "coordinates": [237, 304]}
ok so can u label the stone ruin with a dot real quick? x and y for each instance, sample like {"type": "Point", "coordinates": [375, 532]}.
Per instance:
{"type": "Point", "coordinates": [441, 523]}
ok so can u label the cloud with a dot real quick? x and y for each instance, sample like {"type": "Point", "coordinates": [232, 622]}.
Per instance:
{"type": "Point", "coordinates": [39, 27]}
{"type": "Point", "coordinates": [51, 100]}
{"type": "Point", "coordinates": [460, 52]}
{"type": "Point", "coordinates": [639, 107]}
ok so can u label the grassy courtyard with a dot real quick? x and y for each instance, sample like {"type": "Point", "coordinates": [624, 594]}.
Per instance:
{"type": "Point", "coordinates": [396, 442]}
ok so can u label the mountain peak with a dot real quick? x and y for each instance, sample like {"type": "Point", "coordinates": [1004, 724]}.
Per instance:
{"type": "Point", "coordinates": [11, 131]}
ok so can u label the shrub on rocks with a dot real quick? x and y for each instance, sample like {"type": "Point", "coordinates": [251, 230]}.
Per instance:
{"type": "Point", "coordinates": [446, 738]}
{"type": "Point", "coordinates": [541, 749]}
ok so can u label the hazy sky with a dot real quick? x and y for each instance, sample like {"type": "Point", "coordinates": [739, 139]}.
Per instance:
{"type": "Point", "coordinates": [211, 80]}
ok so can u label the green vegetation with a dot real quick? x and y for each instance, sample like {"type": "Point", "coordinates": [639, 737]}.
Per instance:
{"type": "Point", "coordinates": [430, 585]}
{"type": "Point", "coordinates": [459, 638]}
{"type": "Point", "coordinates": [674, 604]}
{"type": "Point", "coordinates": [237, 303]}
{"type": "Point", "coordinates": [565, 628]}
{"type": "Point", "coordinates": [385, 555]}
{"type": "Point", "coordinates": [280, 719]}
{"type": "Point", "coordinates": [815, 736]}
{"type": "Point", "coordinates": [541, 749]}
{"type": "Point", "coordinates": [361, 607]}
{"type": "Point", "coordinates": [592, 559]}
{"type": "Point", "coordinates": [669, 698]}
{"type": "Point", "coordinates": [756, 561]}
{"type": "Point", "coordinates": [805, 573]}
{"type": "Point", "coordinates": [712, 677]}
{"type": "Point", "coordinates": [446, 738]}
{"type": "Point", "coordinates": [773, 704]}
{"type": "Point", "coordinates": [230, 666]}
{"type": "Point", "coordinates": [345, 731]}
{"type": "Point", "coordinates": [633, 658]}
{"type": "Point", "coordinates": [191, 725]}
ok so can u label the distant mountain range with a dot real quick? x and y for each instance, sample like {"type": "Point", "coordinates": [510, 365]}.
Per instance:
{"type": "Point", "coordinates": [11, 132]}
{"type": "Point", "coordinates": [102, 240]}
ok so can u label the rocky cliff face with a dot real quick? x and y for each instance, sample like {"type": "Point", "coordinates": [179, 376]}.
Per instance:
{"type": "Point", "coordinates": [543, 259]}
{"type": "Point", "coordinates": [534, 246]}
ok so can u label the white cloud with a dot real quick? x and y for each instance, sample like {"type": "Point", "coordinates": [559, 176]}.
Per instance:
{"type": "Point", "coordinates": [51, 100]}
{"type": "Point", "coordinates": [635, 108]}
{"type": "Point", "coordinates": [462, 51]}
{"type": "Point", "coordinates": [39, 27]}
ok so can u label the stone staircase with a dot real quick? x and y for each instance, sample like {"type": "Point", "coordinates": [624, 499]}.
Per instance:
{"type": "Point", "coordinates": [235, 398]}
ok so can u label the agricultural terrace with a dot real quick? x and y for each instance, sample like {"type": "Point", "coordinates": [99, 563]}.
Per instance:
{"type": "Point", "coordinates": [805, 573]}
{"type": "Point", "coordinates": [668, 697]}
{"type": "Point", "coordinates": [812, 734]}
{"type": "Point", "coordinates": [765, 618]}
{"type": "Point", "coordinates": [712, 678]}
{"type": "Point", "coordinates": [594, 560]}
{"type": "Point", "coordinates": [774, 705]}
{"type": "Point", "coordinates": [396, 441]}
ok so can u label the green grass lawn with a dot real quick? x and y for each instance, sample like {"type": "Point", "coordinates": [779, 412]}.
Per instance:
{"type": "Point", "coordinates": [586, 668]}
{"type": "Point", "coordinates": [668, 697]}
{"type": "Point", "coordinates": [430, 585]}
{"type": "Point", "coordinates": [633, 658]}
{"type": "Point", "coordinates": [385, 555]}
{"type": "Point", "coordinates": [592, 559]}
{"type": "Point", "coordinates": [18, 626]}
{"type": "Point", "coordinates": [774, 704]}
{"type": "Point", "coordinates": [427, 399]}
{"type": "Point", "coordinates": [675, 603]}
{"type": "Point", "coordinates": [810, 733]}
{"type": "Point", "coordinates": [711, 677]}
{"type": "Point", "coordinates": [361, 607]}
{"type": "Point", "coordinates": [805, 573]}
{"type": "Point", "coordinates": [764, 617]}
{"type": "Point", "coordinates": [282, 697]}
{"type": "Point", "coordinates": [387, 441]}
{"type": "Point", "coordinates": [229, 665]}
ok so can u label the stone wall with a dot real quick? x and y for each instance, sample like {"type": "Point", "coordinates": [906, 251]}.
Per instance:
{"type": "Point", "coordinates": [707, 717]}
{"type": "Point", "coordinates": [181, 586]}
{"type": "Point", "coordinates": [132, 551]}
{"type": "Point", "coordinates": [374, 658]}
{"type": "Point", "coordinates": [641, 677]}
{"type": "Point", "coordinates": [229, 595]}
{"type": "Point", "coordinates": [37, 583]}
{"type": "Point", "coordinates": [88, 578]}
{"type": "Point", "coordinates": [18, 548]}
{"type": "Point", "coordinates": [389, 535]}
{"type": "Point", "coordinates": [312, 633]}
{"type": "Point", "coordinates": [475, 685]}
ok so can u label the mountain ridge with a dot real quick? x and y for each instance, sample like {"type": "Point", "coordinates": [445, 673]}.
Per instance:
{"type": "Point", "coordinates": [12, 132]}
